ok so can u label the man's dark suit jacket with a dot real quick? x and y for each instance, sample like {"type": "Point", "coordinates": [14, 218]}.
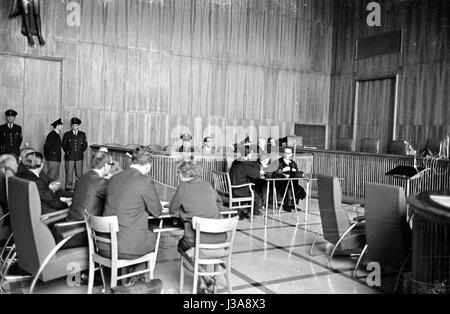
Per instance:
{"type": "Point", "coordinates": [52, 147]}
{"type": "Point", "coordinates": [187, 203]}
{"type": "Point", "coordinates": [74, 146]}
{"type": "Point", "coordinates": [243, 172]}
{"type": "Point", "coordinates": [90, 194]}
{"type": "Point", "coordinates": [10, 139]}
{"type": "Point", "coordinates": [131, 197]}
{"type": "Point", "coordinates": [49, 201]}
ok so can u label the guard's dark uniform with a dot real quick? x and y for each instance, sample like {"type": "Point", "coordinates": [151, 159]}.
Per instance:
{"type": "Point", "coordinates": [52, 152]}
{"type": "Point", "coordinates": [52, 147]}
{"type": "Point", "coordinates": [74, 146]}
{"type": "Point", "coordinates": [10, 136]}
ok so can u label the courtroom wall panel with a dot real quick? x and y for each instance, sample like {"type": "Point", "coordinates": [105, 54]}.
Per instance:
{"type": "Point", "coordinates": [136, 71]}
{"type": "Point", "coordinates": [422, 66]}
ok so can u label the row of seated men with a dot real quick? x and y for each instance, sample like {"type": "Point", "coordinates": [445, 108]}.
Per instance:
{"type": "Point", "coordinates": [244, 170]}
{"type": "Point", "coordinates": [130, 195]}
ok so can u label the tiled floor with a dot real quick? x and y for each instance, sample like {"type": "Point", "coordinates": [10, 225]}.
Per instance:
{"type": "Point", "coordinates": [271, 259]}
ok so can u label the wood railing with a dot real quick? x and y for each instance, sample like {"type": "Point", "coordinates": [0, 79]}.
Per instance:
{"type": "Point", "coordinates": [358, 168]}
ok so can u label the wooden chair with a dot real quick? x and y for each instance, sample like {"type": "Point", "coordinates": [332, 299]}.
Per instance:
{"type": "Point", "coordinates": [154, 147]}
{"type": "Point", "coordinates": [370, 145]}
{"type": "Point", "coordinates": [222, 184]}
{"type": "Point", "coordinates": [96, 227]}
{"type": "Point", "coordinates": [433, 146]}
{"type": "Point", "coordinates": [347, 236]}
{"type": "Point", "coordinates": [217, 255]}
{"type": "Point", "coordinates": [133, 146]}
{"type": "Point", "coordinates": [398, 148]}
{"type": "Point", "coordinates": [345, 144]}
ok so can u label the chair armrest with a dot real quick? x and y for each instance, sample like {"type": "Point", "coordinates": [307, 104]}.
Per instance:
{"type": "Point", "coordinates": [242, 185]}
{"type": "Point", "coordinates": [359, 219]}
{"type": "Point", "coordinates": [4, 216]}
{"type": "Point", "coordinates": [228, 212]}
{"type": "Point", "coordinates": [72, 232]}
{"type": "Point", "coordinates": [70, 223]}
{"type": "Point", "coordinates": [55, 213]}
{"type": "Point", "coordinates": [54, 216]}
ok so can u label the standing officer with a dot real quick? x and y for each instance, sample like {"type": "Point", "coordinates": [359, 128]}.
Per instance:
{"type": "Point", "coordinates": [74, 144]}
{"type": "Point", "coordinates": [10, 135]}
{"type": "Point", "coordinates": [52, 150]}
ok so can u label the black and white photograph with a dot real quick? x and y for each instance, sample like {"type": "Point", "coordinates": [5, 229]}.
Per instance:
{"type": "Point", "coordinates": [237, 148]}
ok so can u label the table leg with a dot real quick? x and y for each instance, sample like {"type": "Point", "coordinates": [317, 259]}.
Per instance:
{"type": "Point", "coordinates": [267, 203]}
{"type": "Point", "coordinates": [308, 195]}
{"type": "Point", "coordinates": [284, 196]}
{"type": "Point", "coordinates": [293, 198]}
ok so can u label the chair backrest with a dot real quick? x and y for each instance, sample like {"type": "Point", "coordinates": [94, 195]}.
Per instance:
{"type": "Point", "coordinates": [32, 237]}
{"type": "Point", "coordinates": [8, 174]}
{"type": "Point", "coordinates": [133, 146]}
{"type": "Point", "coordinates": [387, 231]}
{"type": "Point", "coordinates": [225, 150]}
{"type": "Point", "coordinates": [370, 145]}
{"type": "Point", "coordinates": [345, 144]}
{"type": "Point", "coordinates": [433, 146]}
{"type": "Point", "coordinates": [170, 148]}
{"type": "Point", "coordinates": [154, 147]}
{"type": "Point", "coordinates": [97, 227]}
{"type": "Point", "coordinates": [398, 148]}
{"type": "Point", "coordinates": [334, 218]}
{"type": "Point", "coordinates": [215, 226]}
{"type": "Point", "coordinates": [291, 141]}
{"type": "Point", "coordinates": [221, 182]}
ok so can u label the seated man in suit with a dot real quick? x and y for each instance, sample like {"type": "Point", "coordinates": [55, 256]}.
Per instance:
{"type": "Point", "coordinates": [131, 196]}
{"type": "Point", "coordinates": [90, 189]}
{"type": "Point", "coordinates": [208, 146]}
{"type": "Point", "coordinates": [287, 168]}
{"type": "Point", "coordinates": [244, 171]}
{"type": "Point", "coordinates": [186, 145]}
{"type": "Point", "coordinates": [33, 165]}
{"type": "Point", "coordinates": [90, 194]}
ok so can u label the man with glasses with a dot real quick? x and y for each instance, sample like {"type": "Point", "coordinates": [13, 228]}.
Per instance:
{"type": "Point", "coordinates": [287, 168]}
{"type": "Point", "coordinates": [90, 195]}
{"type": "Point", "coordinates": [90, 189]}
{"type": "Point", "coordinates": [208, 146]}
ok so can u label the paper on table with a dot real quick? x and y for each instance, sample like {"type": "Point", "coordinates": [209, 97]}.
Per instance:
{"type": "Point", "coordinates": [441, 199]}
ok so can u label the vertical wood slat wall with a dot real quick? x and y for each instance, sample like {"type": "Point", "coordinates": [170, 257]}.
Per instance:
{"type": "Point", "coordinates": [136, 69]}
{"type": "Point", "coordinates": [423, 66]}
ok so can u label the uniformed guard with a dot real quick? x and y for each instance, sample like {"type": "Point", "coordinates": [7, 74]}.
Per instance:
{"type": "Point", "coordinates": [10, 135]}
{"type": "Point", "coordinates": [52, 150]}
{"type": "Point", "coordinates": [74, 144]}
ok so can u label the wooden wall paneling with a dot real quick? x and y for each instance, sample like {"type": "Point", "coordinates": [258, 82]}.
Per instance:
{"type": "Point", "coordinates": [270, 77]}
{"type": "Point", "coordinates": [154, 73]}
{"type": "Point", "coordinates": [216, 105]}
{"type": "Point", "coordinates": [90, 64]}
{"type": "Point", "coordinates": [174, 87]}
{"type": "Point", "coordinates": [138, 81]}
{"type": "Point", "coordinates": [92, 21]}
{"type": "Point", "coordinates": [68, 51]}
{"type": "Point", "coordinates": [42, 99]}
{"type": "Point", "coordinates": [163, 77]}
{"type": "Point", "coordinates": [12, 86]}
{"type": "Point", "coordinates": [115, 24]}
{"type": "Point", "coordinates": [62, 30]}
{"type": "Point", "coordinates": [5, 24]}
{"type": "Point", "coordinates": [185, 86]}
{"type": "Point", "coordinates": [114, 67]}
